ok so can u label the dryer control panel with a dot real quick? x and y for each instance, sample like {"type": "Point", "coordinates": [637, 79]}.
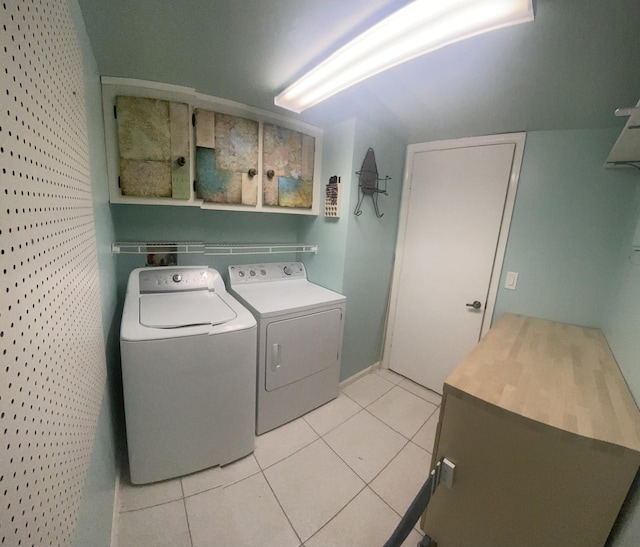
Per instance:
{"type": "Point", "coordinates": [257, 273]}
{"type": "Point", "coordinates": [155, 280]}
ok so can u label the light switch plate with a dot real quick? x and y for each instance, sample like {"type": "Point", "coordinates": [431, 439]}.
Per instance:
{"type": "Point", "coordinates": [511, 281]}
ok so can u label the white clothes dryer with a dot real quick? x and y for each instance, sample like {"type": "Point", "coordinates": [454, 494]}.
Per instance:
{"type": "Point", "coordinates": [300, 329]}
{"type": "Point", "coordinates": [188, 372]}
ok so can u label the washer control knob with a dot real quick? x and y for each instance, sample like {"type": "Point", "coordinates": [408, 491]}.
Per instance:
{"type": "Point", "coordinates": [177, 278]}
{"type": "Point", "coordinates": [287, 270]}
{"type": "Point", "coordinates": [263, 272]}
{"type": "Point", "coordinates": [241, 273]}
{"type": "Point", "coordinates": [252, 273]}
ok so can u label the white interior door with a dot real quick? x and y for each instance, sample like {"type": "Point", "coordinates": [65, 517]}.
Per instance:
{"type": "Point", "coordinates": [457, 204]}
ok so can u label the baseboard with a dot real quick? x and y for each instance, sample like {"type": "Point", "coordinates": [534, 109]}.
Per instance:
{"type": "Point", "coordinates": [358, 375]}
{"type": "Point", "coordinates": [116, 509]}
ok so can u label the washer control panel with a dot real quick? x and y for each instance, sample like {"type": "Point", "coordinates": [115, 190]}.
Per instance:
{"type": "Point", "coordinates": [174, 279]}
{"type": "Point", "coordinates": [256, 273]}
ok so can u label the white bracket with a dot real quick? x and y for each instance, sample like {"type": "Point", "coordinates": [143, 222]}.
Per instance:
{"type": "Point", "coordinates": [442, 473]}
{"type": "Point", "coordinates": [446, 473]}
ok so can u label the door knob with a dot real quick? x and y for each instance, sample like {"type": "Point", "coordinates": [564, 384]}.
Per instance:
{"type": "Point", "coordinates": [476, 305]}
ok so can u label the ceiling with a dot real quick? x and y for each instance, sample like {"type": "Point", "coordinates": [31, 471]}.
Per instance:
{"type": "Point", "coordinates": [570, 69]}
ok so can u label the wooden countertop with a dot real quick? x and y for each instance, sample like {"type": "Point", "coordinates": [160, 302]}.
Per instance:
{"type": "Point", "coordinates": [560, 375]}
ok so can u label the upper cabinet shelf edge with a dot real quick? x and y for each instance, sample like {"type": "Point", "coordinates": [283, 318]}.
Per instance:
{"type": "Point", "coordinates": [626, 149]}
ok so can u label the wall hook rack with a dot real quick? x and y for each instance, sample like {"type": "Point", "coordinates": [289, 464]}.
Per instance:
{"type": "Point", "coordinates": [369, 183]}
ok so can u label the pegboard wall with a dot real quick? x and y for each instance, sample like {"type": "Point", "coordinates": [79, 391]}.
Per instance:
{"type": "Point", "coordinates": [51, 343]}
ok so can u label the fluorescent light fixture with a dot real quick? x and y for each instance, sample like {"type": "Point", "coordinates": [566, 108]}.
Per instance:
{"type": "Point", "coordinates": [416, 29]}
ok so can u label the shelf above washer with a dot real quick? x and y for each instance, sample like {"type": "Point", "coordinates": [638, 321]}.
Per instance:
{"type": "Point", "coordinates": [210, 249]}
{"type": "Point", "coordinates": [144, 247]}
{"type": "Point", "coordinates": [218, 249]}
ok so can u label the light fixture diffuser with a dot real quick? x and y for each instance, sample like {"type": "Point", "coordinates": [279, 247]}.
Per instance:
{"type": "Point", "coordinates": [416, 29]}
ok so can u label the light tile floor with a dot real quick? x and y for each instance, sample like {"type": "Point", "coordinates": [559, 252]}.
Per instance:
{"type": "Point", "coordinates": [343, 475]}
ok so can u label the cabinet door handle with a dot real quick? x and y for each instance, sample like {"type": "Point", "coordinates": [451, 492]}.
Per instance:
{"type": "Point", "coordinates": [181, 161]}
{"type": "Point", "coordinates": [275, 357]}
{"type": "Point", "coordinates": [476, 305]}
{"type": "Point", "coordinates": [270, 174]}
{"type": "Point", "coordinates": [252, 172]}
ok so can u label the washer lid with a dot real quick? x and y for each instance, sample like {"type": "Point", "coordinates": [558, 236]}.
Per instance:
{"type": "Point", "coordinates": [183, 309]}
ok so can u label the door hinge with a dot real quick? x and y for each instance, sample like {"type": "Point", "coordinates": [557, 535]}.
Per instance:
{"type": "Point", "coordinates": [119, 185]}
{"type": "Point", "coordinates": [193, 119]}
{"type": "Point", "coordinates": [115, 111]}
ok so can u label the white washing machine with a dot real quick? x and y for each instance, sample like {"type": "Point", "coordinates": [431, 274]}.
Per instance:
{"type": "Point", "coordinates": [300, 327]}
{"type": "Point", "coordinates": [188, 372]}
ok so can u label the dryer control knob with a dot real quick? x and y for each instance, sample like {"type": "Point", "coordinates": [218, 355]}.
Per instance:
{"type": "Point", "coordinates": [287, 270]}
{"type": "Point", "coordinates": [177, 278]}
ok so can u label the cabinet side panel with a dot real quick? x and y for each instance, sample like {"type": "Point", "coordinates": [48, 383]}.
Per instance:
{"type": "Point", "coordinates": [521, 483]}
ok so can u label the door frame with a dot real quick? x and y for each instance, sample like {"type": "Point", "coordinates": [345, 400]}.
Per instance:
{"type": "Point", "coordinates": [518, 139]}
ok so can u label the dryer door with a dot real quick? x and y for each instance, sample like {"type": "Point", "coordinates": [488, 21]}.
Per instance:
{"type": "Point", "coordinates": [301, 346]}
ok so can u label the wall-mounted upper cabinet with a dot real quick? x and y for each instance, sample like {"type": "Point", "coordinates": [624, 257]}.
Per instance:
{"type": "Point", "coordinates": [168, 145]}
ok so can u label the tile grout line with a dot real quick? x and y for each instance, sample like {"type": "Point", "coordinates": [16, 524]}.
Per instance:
{"type": "Point", "coordinates": [150, 506]}
{"type": "Point", "coordinates": [263, 469]}
{"type": "Point", "coordinates": [392, 428]}
{"type": "Point", "coordinates": [378, 397]}
{"type": "Point", "coordinates": [351, 399]}
{"type": "Point", "coordinates": [282, 509]}
{"type": "Point", "coordinates": [186, 514]}
{"type": "Point", "coordinates": [405, 378]}
{"type": "Point", "coordinates": [340, 511]}
{"type": "Point", "coordinates": [338, 425]}
{"type": "Point", "coordinates": [389, 506]}
{"type": "Point", "coordinates": [369, 483]}
{"type": "Point", "coordinates": [366, 484]}
{"type": "Point", "coordinates": [416, 395]}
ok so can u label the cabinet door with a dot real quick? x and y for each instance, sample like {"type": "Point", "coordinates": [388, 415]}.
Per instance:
{"type": "Point", "coordinates": [287, 167]}
{"type": "Point", "coordinates": [226, 158]}
{"type": "Point", "coordinates": [153, 142]}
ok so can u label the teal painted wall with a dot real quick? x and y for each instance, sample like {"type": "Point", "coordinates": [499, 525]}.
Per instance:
{"type": "Point", "coordinates": [570, 241]}
{"type": "Point", "coordinates": [370, 250]}
{"type": "Point", "coordinates": [622, 329]}
{"type": "Point", "coordinates": [355, 254]}
{"type": "Point", "coordinates": [161, 223]}
{"type": "Point", "coordinates": [330, 234]}
{"type": "Point", "coordinates": [622, 322]}
{"type": "Point", "coordinates": [96, 510]}
{"type": "Point", "coordinates": [566, 227]}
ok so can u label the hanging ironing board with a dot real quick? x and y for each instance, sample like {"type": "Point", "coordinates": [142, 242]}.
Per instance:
{"type": "Point", "coordinates": [368, 184]}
